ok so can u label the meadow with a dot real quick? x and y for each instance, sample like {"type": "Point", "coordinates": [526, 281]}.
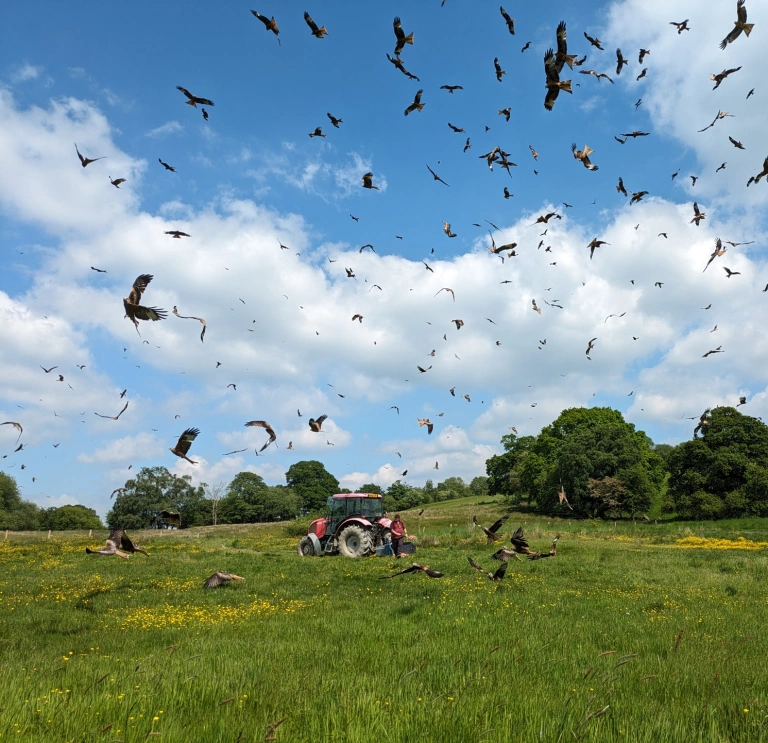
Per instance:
{"type": "Point", "coordinates": [634, 632]}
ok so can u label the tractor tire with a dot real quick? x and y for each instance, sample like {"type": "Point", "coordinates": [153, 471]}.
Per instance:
{"type": "Point", "coordinates": [384, 536]}
{"type": "Point", "coordinates": [305, 547]}
{"type": "Point", "coordinates": [355, 541]}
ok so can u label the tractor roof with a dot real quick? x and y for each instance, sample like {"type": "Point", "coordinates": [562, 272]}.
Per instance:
{"type": "Point", "coordinates": [357, 495]}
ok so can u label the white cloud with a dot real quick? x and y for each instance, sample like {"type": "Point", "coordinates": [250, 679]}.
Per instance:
{"type": "Point", "coordinates": [129, 449]}
{"type": "Point", "coordinates": [25, 73]}
{"type": "Point", "coordinates": [170, 127]}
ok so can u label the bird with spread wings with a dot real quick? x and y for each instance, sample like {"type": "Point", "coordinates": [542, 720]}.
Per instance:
{"type": "Point", "coordinates": [136, 311]}
{"type": "Point", "coordinates": [490, 532]}
{"type": "Point", "coordinates": [268, 429]}
{"type": "Point", "coordinates": [193, 100]}
{"type": "Point", "coordinates": [739, 25]}
{"type": "Point", "coordinates": [416, 568]}
{"type": "Point", "coordinates": [184, 442]}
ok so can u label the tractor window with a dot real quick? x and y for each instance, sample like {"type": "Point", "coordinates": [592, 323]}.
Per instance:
{"type": "Point", "coordinates": [371, 507]}
{"type": "Point", "coordinates": [335, 508]}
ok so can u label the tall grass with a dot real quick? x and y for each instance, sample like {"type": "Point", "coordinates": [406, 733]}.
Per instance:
{"type": "Point", "coordinates": [624, 636]}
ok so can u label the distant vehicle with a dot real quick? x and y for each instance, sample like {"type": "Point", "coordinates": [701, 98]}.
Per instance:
{"type": "Point", "coordinates": [354, 525]}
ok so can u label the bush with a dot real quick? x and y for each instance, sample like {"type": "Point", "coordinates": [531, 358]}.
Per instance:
{"type": "Point", "coordinates": [297, 527]}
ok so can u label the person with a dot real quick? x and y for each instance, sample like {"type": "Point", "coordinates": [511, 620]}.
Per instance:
{"type": "Point", "coordinates": [397, 531]}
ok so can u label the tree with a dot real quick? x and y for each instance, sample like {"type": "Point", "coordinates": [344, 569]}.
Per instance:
{"type": "Point", "coordinates": [15, 513]}
{"type": "Point", "coordinates": [68, 517]}
{"type": "Point", "coordinates": [724, 471]}
{"type": "Point", "coordinates": [451, 488]}
{"type": "Point", "coordinates": [370, 487]}
{"type": "Point", "coordinates": [401, 496]}
{"type": "Point", "coordinates": [602, 462]}
{"type": "Point", "coordinates": [312, 483]}
{"type": "Point", "coordinates": [479, 486]}
{"type": "Point", "coordinates": [155, 489]}
{"type": "Point", "coordinates": [250, 500]}
{"type": "Point", "coordinates": [214, 494]}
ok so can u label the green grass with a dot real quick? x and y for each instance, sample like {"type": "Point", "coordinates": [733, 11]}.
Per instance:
{"type": "Point", "coordinates": [624, 636]}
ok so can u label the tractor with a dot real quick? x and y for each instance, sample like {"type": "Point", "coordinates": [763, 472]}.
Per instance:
{"type": "Point", "coordinates": [354, 525]}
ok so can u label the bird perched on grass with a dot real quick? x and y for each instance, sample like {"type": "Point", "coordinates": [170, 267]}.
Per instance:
{"type": "Point", "coordinates": [416, 568]}
{"type": "Point", "coordinates": [498, 575]}
{"type": "Point", "coordinates": [111, 546]}
{"type": "Point", "coordinates": [490, 532]}
{"type": "Point", "coordinates": [184, 442]}
{"type": "Point", "coordinates": [134, 310]}
{"type": "Point", "coordinates": [219, 579]}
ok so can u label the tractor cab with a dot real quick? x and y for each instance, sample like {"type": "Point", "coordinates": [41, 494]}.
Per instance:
{"type": "Point", "coordinates": [354, 524]}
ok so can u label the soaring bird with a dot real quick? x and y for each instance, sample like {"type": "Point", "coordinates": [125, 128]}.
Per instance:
{"type": "Point", "coordinates": [318, 132]}
{"type": "Point", "coordinates": [641, 56]}
{"type": "Point", "coordinates": [184, 442]}
{"type": "Point", "coordinates": [498, 575]}
{"type": "Point", "coordinates": [190, 317]}
{"type": "Point", "coordinates": [729, 273]}
{"type": "Point", "coordinates": [763, 172]}
{"type": "Point", "coordinates": [736, 144]}
{"type": "Point", "coordinates": [397, 62]}
{"type": "Point", "coordinates": [620, 187]}
{"type": "Point", "coordinates": [703, 421]}
{"type": "Point", "coordinates": [119, 491]}
{"type": "Point", "coordinates": [166, 166]}
{"type": "Point", "coordinates": [583, 155]}
{"type": "Point", "coordinates": [509, 21]}
{"type": "Point", "coordinates": [739, 25]}
{"type": "Point", "coordinates": [135, 311]}
{"type": "Point", "coordinates": [270, 24]}
{"type": "Point", "coordinates": [697, 214]}
{"type": "Point", "coordinates": [562, 55]}
{"type": "Point", "coordinates": [112, 545]}
{"type": "Point", "coordinates": [268, 429]}
{"type": "Point", "coordinates": [193, 100]}
{"type": "Point", "coordinates": [177, 234]}
{"type": "Point", "coordinates": [402, 39]}
{"type": "Point", "coordinates": [595, 42]}
{"type": "Point", "coordinates": [682, 26]}
{"type": "Point", "coordinates": [114, 417]}
{"type": "Point", "coordinates": [451, 88]}
{"type": "Point", "coordinates": [620, 61]}
{"type": "Point", "coordinates": [598, 75]}
{"type": "Point", "coordinates": [334, 120]}
{"type": "Point", "coordinates": [720, 76]}
{"type": "Point", "coordinates": [84, 161]}
{"type": "Point", "coordinates": [447, 229]}
{"type": "Point", "coordinates": [719, 349]}
{"type": "Point", "coordinates": [416, 568]}
{"type": "Point", "coordinates": [637, 196]}
{"type": "Point", "coordinates": [417, 105]}
{"type": "Point", "coordinates": [553, 83]}
{"type": "Point", "coordinates": [490, 532]}
{"type": "Point", "coordinates": [459, 323]}
{"type": "Point", "coordinates": [316, 426]}
{"type": "Point", "coordinates": [17, 426]}
{"type": "Point", "coordinates": [595, 244]}
{"type": "Point", "coordinates": [219, 578]}
{"type": "Point", "coordinates": [318, 33]}
{"type": "Point", "coordinates": [426, 422]}
{"type": "Point", "coordinates": [436, 176]}
{"type": "Point", "coordinates": [497, 67]}
{"type": "Point", "coordinates": [590, 346]}
{"type": "Point", "coordinates": [505, 112]}
{"type": "Point", "coordinates": [368, 181]}
{"type": "Point", "coordinates": [116, 182]}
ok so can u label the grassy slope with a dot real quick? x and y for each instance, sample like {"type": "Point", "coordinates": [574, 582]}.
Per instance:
{"type": "Point", "coordinates": [92, 642]}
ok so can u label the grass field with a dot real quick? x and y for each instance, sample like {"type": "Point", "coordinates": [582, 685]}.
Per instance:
{"type": "Point", "coordinates": [646, 632]}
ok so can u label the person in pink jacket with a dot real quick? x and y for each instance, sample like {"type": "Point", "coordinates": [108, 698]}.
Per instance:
{"type": "Point", "coordinates": [398, 531]}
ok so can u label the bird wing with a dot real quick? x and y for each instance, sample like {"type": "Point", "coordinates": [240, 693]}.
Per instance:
{"type": "Point", "coordinates": [186, 92]}
{"type": "Point", "coordinates": [125, 543]}
{"type": "Point", "coordinates": [474, 564]}
{"type": "Point", "coordinates": [518, 538]}
{"type": "Point", "coordinates": [138, 287]}
{"type": "Point", "coordinates": [562, 45]}
{"type": "Point", "coordinates": [145, 313]}
{"type": "Point", "coordinates": [186, 439]}
{"type": "Point", "coordinates": [399, 33]}
{"type": "Point", "coordinates": [414, 568]}
{"type": "Point", "coordinates": [115, 538]}
{"type": "Point", "coordinates": [501, 572]}
{"type": "Point", "coordinates": [498, 524]}
{"type": "Point", "coordinates": [310, 22]}
{"type": "Point", "coordinates": [432, 573]}
{"type": "Point", "coordinates": [215, 580]}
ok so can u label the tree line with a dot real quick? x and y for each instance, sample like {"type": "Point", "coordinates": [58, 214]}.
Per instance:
{"type": "Point", "coordinates": [603, 465]}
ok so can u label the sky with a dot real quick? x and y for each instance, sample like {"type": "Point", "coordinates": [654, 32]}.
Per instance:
{"type": "Point", "coordinates": [277, 221]}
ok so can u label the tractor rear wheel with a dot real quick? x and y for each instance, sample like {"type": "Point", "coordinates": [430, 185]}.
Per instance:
{"type": "Point", "coordinates": [355, 541]}
{"type": "Point", "coordinates": [305, 547]}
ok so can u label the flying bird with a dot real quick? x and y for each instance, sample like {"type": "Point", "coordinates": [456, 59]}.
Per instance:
{"type": "Point", "coordinates": [451, 88]}
{"type": "Point", "coordinates": [85, 161]}
{"type": "Point", "coordinates": [446, 289]}
{"type": "Point", "coordinates": [436, 176]}
{"type": "Point", "coordinates": [716, 253]}
{"type": "Point", "coordinates": [583, 155]}
{"type": "Point", "coordinates": [166, 166]}
{"type": "Point", "coordinates": [714, 350]}
{"type": "Point", "coordinates": [642, 55]}
{"type": "Point", "coordinates": [508, 20]}
{"type": "Point", "coordinates": [270, 24]}
{"type": "Point", "coordinates": [318, 133]}
{"type": "Point", "coordinates": [730, 273]}
{"type": "Point", "coordinates": [497, 67]}
{"type": "Point", "coordinates": [620, 61]}
{"type": "Point", "coordinates": [459, 323]}
{"type": "Point", "coordinates": [447, 229]}
{"type": "Point", "coordinates": [552, 551]}
{"type": "Point", "coordinates": [114, 417]}
{"type": "Point", "coordinates": [268, 429]}
{"type": "Point", "coordinates": [316, 426]}
{"type": "Point", "coordinates": [219, 578]}
{"type": "Point", "coordinates": [682, 26]}
{"type": "Point", "coordinates": [490, 532]}
{"type": "Point", "coordinates": [334, 120]}
{"type": "Point", "coordinates": [426, 422]}
{"type": "Point", "coordinates": [720, 76]}
{"type": "Point", "coordinates": [190, 317]}
{"type": "Point", "coordinates": [120, 491]}
{"type": "Point", "coordinates": [193, 100]}
{"type": "Point", "coordinates": [590, 346]}
{"type": "Point", "coordinates": [417, 105]}
{"type": "Point", "coordinates": [368, 181]}
{"type": "Point", "coordinates": [134, 310]}
{"type": "Point", "coordinates": [739, 25]}
{"type": "Point", "coordinates": [553, 83]}
{"type": "Point", "coordinates": [17, 426]}
{"type": "Point", "coordinates": [402, 39]}
{"type": "Point", "coordinates": [697, 214]}
{"type": "Point", "coordinates": [562, 498]}
{"type": "Point", "coordinates": [397, 62]}
{"type": "Point", "coordinates": [416, 568]}
{"type": "Point", "coordinates": [637, 196]}
{"type": "Point", "coordinates": [498, 575]}
{"type": "Point", "coordinates": [177, 234]}
{"type": "Point", "coordinates": [318, 33]}
{"type": "Point", "coordinates": [620, 188]}
{"type": "Point", "coordinates": [594, 42]}
{"type": "Point", "coordinates": [595, 244]}
{"type": "Point", "coordinates": [184, 442]}
{"type": "Point", "coordinates": [116, 182]}
{"type": "Point", "coordinates": [111, 546]}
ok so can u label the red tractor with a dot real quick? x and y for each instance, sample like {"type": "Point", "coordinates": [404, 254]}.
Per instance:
{"type": "Point", "coordinates": [354, 525]}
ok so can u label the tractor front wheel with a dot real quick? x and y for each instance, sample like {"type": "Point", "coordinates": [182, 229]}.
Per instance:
{"type": "Point", "coordinates": [305, 547]}
{"type": "Point", "coordinates": [355, 541]}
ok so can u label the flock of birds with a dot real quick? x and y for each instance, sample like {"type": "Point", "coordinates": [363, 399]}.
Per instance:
{"type": "Point", "coordinates": [555, 62]}
{"type": "Point", "coordinates": [118, 543]}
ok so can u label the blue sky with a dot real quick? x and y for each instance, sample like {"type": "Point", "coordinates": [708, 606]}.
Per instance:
{"type": "Point", "coordinates": [279, 321]}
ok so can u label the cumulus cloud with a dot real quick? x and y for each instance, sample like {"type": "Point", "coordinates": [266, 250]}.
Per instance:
{"type": "Point", "coordinates": [170, 127]}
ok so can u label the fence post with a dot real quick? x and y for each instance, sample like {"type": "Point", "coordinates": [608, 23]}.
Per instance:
{"type": "Point", "coordinates": [49, 533]}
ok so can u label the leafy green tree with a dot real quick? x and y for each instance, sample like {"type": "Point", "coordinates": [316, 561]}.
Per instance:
{"type": "Point", "coordinates": [63, 518]}
{"type": "Point", "coordinates": [250, 500]}
{"type": "Point", "coordinates": [479, 486]}
{"type": "Point", "coordinates": [724, 471]}
{"type": "Point", "coordinates": [312, 483]}
{"type": "Point", "coordinates": [401, 496]}
{"type": "Point", "coordinates": [451, 488]}
{"type": "Point", "coordinates": [370, 487]}
{"type": "Point", "coordinates": [506, 471]}
{"type": "Point", "coordinates": [15, 513]}
{"type": "Point", "coordinates": [155, 489]}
